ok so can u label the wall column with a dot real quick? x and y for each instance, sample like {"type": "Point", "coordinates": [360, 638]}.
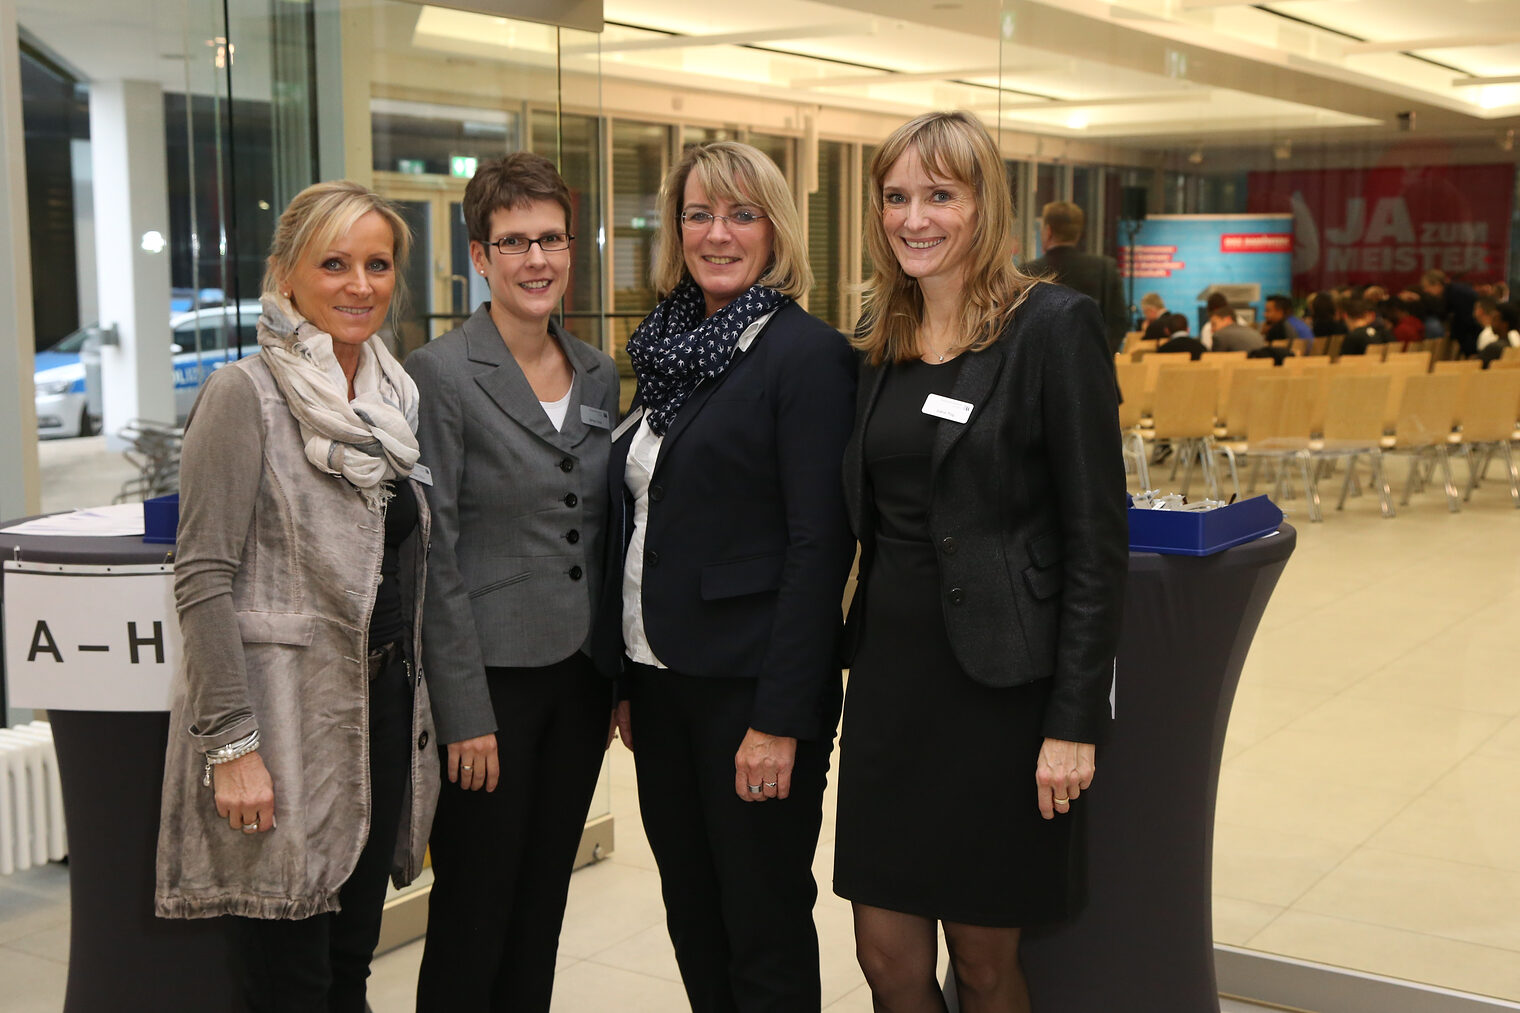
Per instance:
{"type": "Point", "coordinates": [128, 162]}
{"type": "Point", "coordinates": [20, 489]}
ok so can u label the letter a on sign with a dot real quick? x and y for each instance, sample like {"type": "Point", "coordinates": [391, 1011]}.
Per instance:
{"type": "Point", "coordinates": [43, 643]}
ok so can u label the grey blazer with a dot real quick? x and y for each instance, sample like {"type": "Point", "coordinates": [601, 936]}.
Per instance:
{"type": "Point", "coordinates": [519, 514]}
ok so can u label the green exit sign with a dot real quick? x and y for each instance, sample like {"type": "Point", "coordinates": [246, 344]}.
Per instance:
{"type": "Point", "coordinates": [462, 166]}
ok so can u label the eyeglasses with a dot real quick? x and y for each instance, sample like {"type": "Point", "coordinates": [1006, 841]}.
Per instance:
{"type": "Point", "coordinates": [741, 219]}
{"type": "Point", "coordinates": [554, 242]}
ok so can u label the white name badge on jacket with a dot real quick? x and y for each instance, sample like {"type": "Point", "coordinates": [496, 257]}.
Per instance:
{"type": "Point", "coordinates": [597, 417]}
{"type": "Point", "coordinates": [942, 407]}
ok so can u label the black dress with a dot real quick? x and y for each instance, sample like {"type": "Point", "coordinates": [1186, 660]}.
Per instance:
{"type": "Point", "coordinates": [937, 811]}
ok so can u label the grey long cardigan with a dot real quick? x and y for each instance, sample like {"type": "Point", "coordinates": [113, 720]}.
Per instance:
{"type": "Point", "coordinates": [276, 573]}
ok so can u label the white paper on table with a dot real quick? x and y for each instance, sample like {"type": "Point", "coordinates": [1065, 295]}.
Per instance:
{"type": "Point", "coordinates": [100, 522]}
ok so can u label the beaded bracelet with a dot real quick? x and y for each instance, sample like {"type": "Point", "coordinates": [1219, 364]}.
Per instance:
{"type": "Point", "coordinates": [234, 750]}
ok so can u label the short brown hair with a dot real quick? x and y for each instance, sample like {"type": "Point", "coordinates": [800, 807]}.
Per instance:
{"type": "Point", "coordinates": [742, 174]}
{"type": "Point", "coordinates": [1064, 220]}
{"type": "Point", "coordinates": [514, 181]}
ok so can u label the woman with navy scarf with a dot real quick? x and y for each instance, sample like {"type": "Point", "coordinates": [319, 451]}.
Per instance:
{"type": "Point", "coordinates": [736, 549]}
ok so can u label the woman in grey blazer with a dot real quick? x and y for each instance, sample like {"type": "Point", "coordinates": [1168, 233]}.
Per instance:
{"type": "Point", "coordinates": [984, 480]}
{"type": "Point", "coordinates": [516, 433]}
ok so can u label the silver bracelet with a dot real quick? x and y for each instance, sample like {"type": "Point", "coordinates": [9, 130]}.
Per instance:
{"type": "Point", "coordinates": [235, 750]}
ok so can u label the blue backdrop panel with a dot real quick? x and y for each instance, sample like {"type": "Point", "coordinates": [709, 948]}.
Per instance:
{"type": "Point", "coordinates": [1179, 256]}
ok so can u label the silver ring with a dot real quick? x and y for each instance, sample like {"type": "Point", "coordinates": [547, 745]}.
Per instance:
{"type": "Point", "coordinates": [754, 789]}
{"type": "Point", "coordinates": [251, 828]}
{"type": "Point", "coordinates": [770, 784]}
{"type": "Point", "coordinates": [465, 766]}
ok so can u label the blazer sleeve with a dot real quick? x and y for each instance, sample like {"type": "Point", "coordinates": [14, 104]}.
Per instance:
{"type": "Point", "coordinates": [815, 408]}
{"type": "Point", "coordinates": [221, 467]}
{"type": "Point", "coordinates": [1081, 425]}
{"type": "Point", "coordinates": [1115, 309]}
{"type": "Point", "coordinates": [451, 655]}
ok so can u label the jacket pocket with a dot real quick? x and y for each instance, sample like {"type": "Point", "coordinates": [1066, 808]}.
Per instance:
{"type": "Point", "coordinates": [497, 585]}
{"type": "Point", "coordinates": [742, 576]}
{"type": "Point", "coordinates": [290, 628]}
{"type": "Point", "coordinates": [1044, 583]}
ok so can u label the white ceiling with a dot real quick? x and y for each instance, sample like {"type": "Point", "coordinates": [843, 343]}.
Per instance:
{"type": "Point", "coordinates": [1126, 72]}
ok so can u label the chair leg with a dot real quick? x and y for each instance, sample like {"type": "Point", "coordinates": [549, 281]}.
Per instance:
{"type": "Point", "coordinates": [1185, 451]}
{"type": "Point", "coordinates": [1409, 481]}
{"type": "Point", "coordinates": [1311, 487]}
{"type": "Point", "coordinates": [1229, 456]}
{"type": "Point", "coordinates": [1255, 472]}
{"type": "Point", "coordinates": [1514, 473]}
{"type": "Point", "coordinates": [1472, 471]}
{"type": "Point", "coordinates": [1346, 484]}
{"type": "Point", "coordinates": [1380, 476]}
{"type": "Point", "coordinates": [1142, 466]}
{"type": "Point", "coordinates": [1453, 501]}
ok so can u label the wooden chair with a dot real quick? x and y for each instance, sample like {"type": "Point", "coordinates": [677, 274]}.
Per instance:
{"type": "Point", "coordinates": [1302, 347]}
{"type": "Point", "coordinates": [1131, 377]}
{"type": "Point", "coordinates": [1276, 428]}
{"type": "Point", "coordinates": [1183, 415]}
{"type": "Point", "coordinates": [1504, 364]}
{"type": "Point", "coordinates": [1510, 355]}
{"type": "Point", "coordinates": [1215, 358]}
{"type": "Point", "coordinates": [1489, 414]}
{"type": "Point", "coordinates": [1353, 425]}
{"type": "Point", "coordinates": [1423, 427]}
{"type": "Point", "coordinates": [1233, 394]}
{"type": "Point", "coordinates": [1305, 364]}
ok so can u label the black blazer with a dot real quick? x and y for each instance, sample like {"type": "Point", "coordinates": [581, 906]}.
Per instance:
{"type": "Point", "coordinates": [748, 548]}
{"type": "Point", "coordinates": [1027, 510]}
{"type": "Point", "coordinates": [1094, 276]}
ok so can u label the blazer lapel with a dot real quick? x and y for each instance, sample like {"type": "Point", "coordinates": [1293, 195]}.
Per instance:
{"type": "Point", "coordinates": [507, 386]}
{"type": "Point", "coordinates": [693, 406]}
{"type": "Point", "coordinates": [973, 385]}
{"type": "Point", "coordinates": [587, 388]}
{"type": "Point", "coordinates": [869, 388]}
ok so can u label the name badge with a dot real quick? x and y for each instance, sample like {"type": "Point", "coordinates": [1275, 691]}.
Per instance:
{"type": "Point", "coordinates": [947, 408]}
{"type": "Point", "coordinates": [595, 417]}
{"type": "Point", "coordinates": [628, 423]}
{"type": "Point", "coordinates": [422, 473]}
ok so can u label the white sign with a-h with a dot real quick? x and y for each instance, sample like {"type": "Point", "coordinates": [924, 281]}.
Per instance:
{"type": "Point", "coordinates": [93, 638]}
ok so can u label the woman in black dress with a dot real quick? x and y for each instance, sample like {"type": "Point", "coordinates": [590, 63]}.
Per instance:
{"type": "Point", "coordinates": [985, 482]}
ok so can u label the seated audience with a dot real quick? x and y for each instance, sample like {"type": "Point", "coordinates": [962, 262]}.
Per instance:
{"type": "Point", "coordinates": [1324, 317]}
{"type": "Point", "coordinates": [1153, 309]}
{"type": "Point", "coordinates": [1362, 328]}
{"type": "Point", "coordinates": [1504, 320]}
{"type": "Point", "coordinates": [1229, 335]}
{"type": "Point", "coordinates": [1178, 340]}
{"type": "Point", "coordinates": [1279, 322]}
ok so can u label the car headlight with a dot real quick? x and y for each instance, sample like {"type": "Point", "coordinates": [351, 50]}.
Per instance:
{"type": "Point", "coordinates": [54, 387]}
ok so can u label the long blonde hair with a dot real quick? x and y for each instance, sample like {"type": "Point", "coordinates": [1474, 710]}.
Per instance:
{"type": "Point", "coordinates": [955, 146]}
{"type": "Point", "coordinates": [742, 174]}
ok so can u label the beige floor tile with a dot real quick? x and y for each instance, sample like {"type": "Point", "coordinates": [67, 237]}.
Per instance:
{"type": "Point", "coordinates": [1452, 672]}
{"type": "Point", "coordinates": [856, 1001]}
{"type": "Point", "coordinates": [32, 984]}
{"type": "Point", "coordinates": [24, 911]}
{"type": "Point", "coordinates": [1408, 767]}
{"type": "Point", "coordinates": [393, 979]}
{"type": "Point", "coordinates": [1269, 866]}
{"type": "Point", "coordinates": [1236, 921]}
{"type": "Point", "coordinates": [1299, 805]}
{"type": "Point", "coordinates": [1504, 742]}
{"type": "Point", "coordinates": [589, 987]}
{"type": "Point", "coordinates": [609, 903]}
{"type": "Point", "coordinates": [1376, 724]}
{"type": "Point", "coordinates": [630, 846]}
{"type": "Point", "coordinates": [50, 944]}
{"type": "Point", "coordinates": [1262, 708]}
{"type": "Point", "coordinates": [1468, 816]}
{"type": "Point", "coordinates": [1441, 898]}
{"type": "Point", "coordinates": [648, 952]}
{"type": "Point", "coordinates": [1412, 956]}
{"type": "Point", "coordinates": [839, 971]}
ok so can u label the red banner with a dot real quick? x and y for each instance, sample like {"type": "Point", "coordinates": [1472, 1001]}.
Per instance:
{"type": "Point", "coordinates": [1387, 226]}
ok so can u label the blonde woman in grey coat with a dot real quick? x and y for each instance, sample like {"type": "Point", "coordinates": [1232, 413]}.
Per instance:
{"type": "Point", "coordinates": [299, 771]}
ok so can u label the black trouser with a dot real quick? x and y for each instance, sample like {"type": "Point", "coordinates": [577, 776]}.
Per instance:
{"type": "Point", "coordinates": [502, 860]}
{"type": "Point", "coordinates": [737, 876]}
{"type": "Point", "coordinates": [321, 963]}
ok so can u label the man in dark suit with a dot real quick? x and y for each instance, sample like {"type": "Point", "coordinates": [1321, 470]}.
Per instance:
{"type": "Point", "coordinates": [1061, 225]}
{"type": "Point", "coordinates": [1457, 301]}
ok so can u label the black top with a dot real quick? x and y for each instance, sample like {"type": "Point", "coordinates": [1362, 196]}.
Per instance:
{"type": "Point", "coordinates": [388, 622]}
{"type": "Point", "coordinates": [1183, 343]}
{"type": "Point", "coordinates": [1327, 328]}
{"type": "Point", "coordinates": [898, 443]}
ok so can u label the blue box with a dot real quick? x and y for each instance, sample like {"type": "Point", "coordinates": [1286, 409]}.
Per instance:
{"type": "Point", "coordinates": [161, 519]}
{"type": "Point", "coordinates": [1202, 533]}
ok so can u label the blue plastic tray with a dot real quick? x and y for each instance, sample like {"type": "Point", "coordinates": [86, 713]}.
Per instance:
{"type": "Point", "coordinates": [161, 519]}
{"type": "Point", "coordinates": [1188, 533]}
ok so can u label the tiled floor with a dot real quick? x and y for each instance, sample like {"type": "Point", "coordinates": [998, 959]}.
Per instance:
{"type": "Point", "coordinates": [1366, 813]}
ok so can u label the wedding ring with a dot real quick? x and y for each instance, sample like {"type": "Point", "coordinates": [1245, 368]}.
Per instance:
{"type": "Point", "coordinates": [465, 766]}
{"type": "Point", "coordinates": [1062, 801]}
{"type": "Point", "coordinates": [770, 784]}
{"type": "Point", "coordinates": [754, 789]}
{"type": "Point", "coordinates": [249, 828]}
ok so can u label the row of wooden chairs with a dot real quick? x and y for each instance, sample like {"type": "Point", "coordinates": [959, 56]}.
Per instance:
{"type": "Point", "coordinates": [1314, 416]}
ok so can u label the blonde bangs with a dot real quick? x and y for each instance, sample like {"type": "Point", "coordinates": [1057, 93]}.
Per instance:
{"type": "Point", "coordinates": [953, 146]}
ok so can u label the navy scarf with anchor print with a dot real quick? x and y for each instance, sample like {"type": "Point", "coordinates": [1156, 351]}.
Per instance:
{"type": "Point", "coordinates": [674, 349]}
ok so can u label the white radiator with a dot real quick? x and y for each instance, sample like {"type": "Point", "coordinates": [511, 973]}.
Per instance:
{"type": "Point", "coordinates": [31, 798]}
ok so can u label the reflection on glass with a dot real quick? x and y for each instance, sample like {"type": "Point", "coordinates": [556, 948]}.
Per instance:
{"type": "Point", "coordinates": [827, 210]}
